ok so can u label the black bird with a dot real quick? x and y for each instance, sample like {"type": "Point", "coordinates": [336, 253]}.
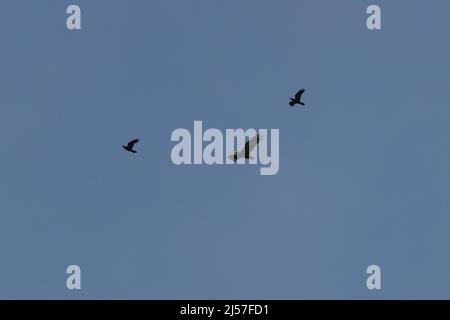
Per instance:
{"type": "Point", "coordinates": [130, 145]}
{"type": "Point", "coordinates": [297, 98]}
{"type": "Point", "coordinates": [245, 153]}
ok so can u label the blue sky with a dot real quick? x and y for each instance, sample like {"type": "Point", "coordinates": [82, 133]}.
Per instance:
{"type": "Point", "coordinates": [364, 169]}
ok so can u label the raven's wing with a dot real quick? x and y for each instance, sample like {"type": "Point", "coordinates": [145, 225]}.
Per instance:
{"type": "Point", "coordinates": [299, 94]}
{"type": "Point", "coordinates": [132, 143]}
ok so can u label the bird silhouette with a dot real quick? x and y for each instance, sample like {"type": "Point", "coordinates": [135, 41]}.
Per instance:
{"type": "Point", "coordinates": [245, 153]}
{"type": "Point", "coordinates": [297, 98]}
{"type": "Point", "coordinates": [130, 145]}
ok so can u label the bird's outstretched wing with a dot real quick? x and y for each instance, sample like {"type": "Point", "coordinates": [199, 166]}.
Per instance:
{"type": "Point", "coordinates": [299, 94]}
{"type": "Point", "coordinates": [251, 144]}
{"type": "Point", "coordinates": [132, 143]}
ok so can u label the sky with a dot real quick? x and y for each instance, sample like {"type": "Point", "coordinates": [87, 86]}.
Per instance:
{"type": "Point", "coordinates": [364, 175]}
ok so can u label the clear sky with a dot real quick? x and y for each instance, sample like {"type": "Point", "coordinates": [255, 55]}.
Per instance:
{"type": "Point", "coordinates": [364, 169]}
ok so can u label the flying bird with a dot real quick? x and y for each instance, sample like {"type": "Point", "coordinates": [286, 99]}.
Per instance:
{"type": "Point", "coordinates": [245, 153]}
{"type": "Point", "coordinates": [297, 98]}
{"type": "Point", "coordinates": [130, 145]}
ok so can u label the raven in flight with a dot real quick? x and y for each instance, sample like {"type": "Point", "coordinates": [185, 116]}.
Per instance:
{"type": "Point", "coordinates": [245, 153]}
{"type": "Point", "coordinates": [130, 145]}
{"type": "Point", "coordinates": [297, 98]}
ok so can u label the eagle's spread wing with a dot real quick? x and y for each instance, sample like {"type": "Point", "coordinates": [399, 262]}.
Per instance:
{"type": "Point", "coordinates": [299, 94]}
{"type": "Point", "coordinates": [251, 144]}
{"type": "Point", "coordinates": [132, 143]}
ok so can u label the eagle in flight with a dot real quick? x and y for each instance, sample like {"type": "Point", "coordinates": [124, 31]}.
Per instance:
{"type": "Point", "coordinates": [297, 98]}
{"type": "Point", "coordinates": [245, 153]}
{"type": "Point", "coordinates": [130, 145]}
